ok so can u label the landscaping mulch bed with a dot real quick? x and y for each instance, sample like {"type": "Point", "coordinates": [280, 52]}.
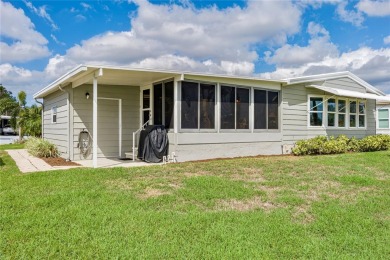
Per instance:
{"type": "Point", "coordinates": [59, 162]}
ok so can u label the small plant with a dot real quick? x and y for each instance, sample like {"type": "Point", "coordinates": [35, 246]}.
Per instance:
{"type": "Point", "coordinates": [41, 148]}
{"type": "Point", "coordinates": [341, 144]}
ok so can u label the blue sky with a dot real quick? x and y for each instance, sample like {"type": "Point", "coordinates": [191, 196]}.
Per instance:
{"type": "Point", "coordinates": [41, 40]}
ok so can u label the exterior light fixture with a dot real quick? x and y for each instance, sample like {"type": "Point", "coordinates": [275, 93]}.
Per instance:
{"type": "Point", "coordinates": [87, 95]}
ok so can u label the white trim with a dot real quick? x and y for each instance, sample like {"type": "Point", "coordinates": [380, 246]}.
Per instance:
{"type": "Point", "coordinates": [336, 75]}
{"type": "Point", "coordinates": [44, 92]}
{"type": "Point", "coordinates": [348, 93]}
{"type": "Point", "coordinates": [347, 113]}
{"type": "Point", "coordinates": [94, 122]}
{"type": "Point", "coordinates": [309, 111]}
{"type": "Point", "coordinates": [388, 119]}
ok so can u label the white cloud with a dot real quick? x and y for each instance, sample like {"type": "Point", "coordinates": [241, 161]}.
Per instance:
{"type": "Point", "coordinates": [27, 44]}
{"type": "Point", "coordinates": [374, 8]}
{"type": "Point", "coordinates": [386, 40]}
{"type": "Point", "coordinates": [370, 64]}
{"type": "Point", "coordinates": [318, 48]}
{"type": "Point", "coordinates": [169, 32]}
{"type": "Point", "coordinates": [173, 62]}
{"type": "Point", "coordinates": [16, 79]}
{"type": "Point", "coordinates": [56, 40]}
{"type": "Point", "coordinates": [80, 18]}
{"type": "Point", "coordinates": [41, 12]}
{"type": "Point", "coordinates": [354, 17]}
{"type": "Point", "coordinates": [86, 6]}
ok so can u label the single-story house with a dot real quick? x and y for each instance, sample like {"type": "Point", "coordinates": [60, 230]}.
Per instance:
{"type": "Point", "coordinates": [383, 116]}
{"type": "Point", "coordinates": [207, 116]}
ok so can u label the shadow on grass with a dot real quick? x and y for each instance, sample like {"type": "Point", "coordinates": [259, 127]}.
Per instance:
{"type": "Point", "coordinates": [1, 162]}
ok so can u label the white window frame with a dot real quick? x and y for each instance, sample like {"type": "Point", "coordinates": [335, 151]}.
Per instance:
{"type": "Point", "coordinates": [336, 114]}
{"type": "Point", "coordinates": [200, 130]}
{"type": "Point", "coordinates": [54, 113]}
{"type": "Point", "coordinates": [365, 113]}
{"type": "Point", "coordinates": [309, 110]}
{"type": "Point", "coordinates": [388, 118]}
{"type": "Point", "coordinates": [342, 113]}
{"type": "Point", "coordinates": [250, 123]}
{"type": "Point", "coordinates": [267, 129]}
{"type": "Point", "coordinates": [356, 113]}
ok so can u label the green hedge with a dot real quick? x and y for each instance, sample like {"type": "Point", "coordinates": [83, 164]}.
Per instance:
{"type": "Point", "coordinates": [41, 148]}
{"type": "Point", "coordinates": [341, 144]}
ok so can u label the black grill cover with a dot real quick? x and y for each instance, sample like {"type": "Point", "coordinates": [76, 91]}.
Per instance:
{"type": "Point", "coordinates": [153, 144]}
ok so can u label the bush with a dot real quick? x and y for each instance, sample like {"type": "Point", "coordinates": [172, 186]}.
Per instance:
{"type": "Point", "coordinates": [374, 143]}
{"type": "Point", "coordinates": [41, 148]}
{"type": "Point", "coordinates": [341, 144]}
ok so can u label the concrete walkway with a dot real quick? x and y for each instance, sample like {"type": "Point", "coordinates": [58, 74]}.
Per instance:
{"type": "Point", "coordinates": [28, 163]}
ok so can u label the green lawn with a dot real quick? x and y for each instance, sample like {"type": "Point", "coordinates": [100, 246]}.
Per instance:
{"type": "Point", "coordinates": [267, 207]}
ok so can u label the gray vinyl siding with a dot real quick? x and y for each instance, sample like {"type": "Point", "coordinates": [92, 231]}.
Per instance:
{"type": "Point", "coordinates": [108, 117]}
{"type": "Point", "coordinates": [57, 133]}
{"type": "Point", "coordinates": [345, 84]}
{"type": "Point", "coordinates": [295, 115]}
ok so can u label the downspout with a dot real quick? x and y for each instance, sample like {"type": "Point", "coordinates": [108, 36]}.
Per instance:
{"type": "Point", "coordinates": [42, 119]}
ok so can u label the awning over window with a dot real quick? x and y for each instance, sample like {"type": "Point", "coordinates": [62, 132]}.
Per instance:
{"type": "Point", "coordinates": [349, 93]}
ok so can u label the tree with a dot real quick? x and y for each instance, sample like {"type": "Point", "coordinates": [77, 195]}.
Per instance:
{"type": "Point", "coordinates": [22, 106]}
{"type": "Point", "coordinates": [30, 121]}
{"type": "Point", "coordinates": [27, 119]}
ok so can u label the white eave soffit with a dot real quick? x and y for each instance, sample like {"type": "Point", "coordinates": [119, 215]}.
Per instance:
{"type": "Point", "coordinates": [348, 93]}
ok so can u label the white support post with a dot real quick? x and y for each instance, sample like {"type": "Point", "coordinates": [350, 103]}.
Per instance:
{"type": "Point", "coordinates": [95, 125]}
{"type": "Point", "coordinates": [176, 106]}
{"type": "Point", "coordinates": [120, 128]}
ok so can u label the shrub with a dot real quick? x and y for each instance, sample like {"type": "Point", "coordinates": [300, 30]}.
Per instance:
{"type": "Point", "coordinates": [41, 148]}
{"type": "Point", "coordinates": [341, 144]}
{"type": "Point", "coordinates": [374, 143]}
{"type": "Point", "coordinates": [353, 145]}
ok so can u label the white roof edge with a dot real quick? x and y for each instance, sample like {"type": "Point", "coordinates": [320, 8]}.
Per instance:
{"type": "Point", "coordinates": [81, 68]}
{"type": "Point", "coordinates": [186, 73]}
{"type": "Point", "coordinates": [349, 93]}
{"type": "Point", "coordinates": [335, 75]}
{"type": "Point", "coordinates": [60, 80]}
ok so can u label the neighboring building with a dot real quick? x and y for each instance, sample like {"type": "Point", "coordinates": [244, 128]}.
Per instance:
{"type": "Point", "coordinates": [208, 116]}
{"type": "Point", "coordinates": [383, 117]}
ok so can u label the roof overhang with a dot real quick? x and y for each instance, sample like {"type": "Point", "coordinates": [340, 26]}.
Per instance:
{"type": "Point", "coordinates": [348, 93]}
{"type": "Point", "coordinates": [84, 74]}
{"type": "Point", "coordinates": [335, 75]}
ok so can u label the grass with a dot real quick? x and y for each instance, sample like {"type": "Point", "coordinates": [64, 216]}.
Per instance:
{"type": "Point", "coordinates": [335, 206]}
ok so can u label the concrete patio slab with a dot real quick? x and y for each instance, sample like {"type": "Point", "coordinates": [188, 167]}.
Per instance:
{"type": "Point", "coordinates": [28, 163]}
{"type": "Point", "coordinates": [114, 162]}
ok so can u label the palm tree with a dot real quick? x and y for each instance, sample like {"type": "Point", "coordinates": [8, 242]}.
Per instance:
{"type": "Point", "coordinates": [30, 121]}
{"type": "Point", "coordinates": [22, 106]}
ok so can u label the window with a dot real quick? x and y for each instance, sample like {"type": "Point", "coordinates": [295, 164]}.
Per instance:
{"type": "Point", "coordinates": [352, 113]}
{"type": "Point", "coordinates": [362, 114]}
{"type": "Point", "coordinates": [337, 113]}
{"type": "Point", "coordinates": [163, 104]}
{"type": "Point", "coordinates": [146, 105]}
{"type": "Point", "coordinates": [342, 110]}
{"type": "Point", "coordinates": [234, 107]}
{"type": "Point", "coordinates": [332, 115]}
{"type": "Point", "coordinates": [316, 111]}
{"type": "Point", "coordinates": [266, 109]}
{"type": "Point", "coordinates": [197, 105]}
{"type": "Point", "coordinates": [54, 115]}
{"type": "Point", "coordinates": [383, 118]}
